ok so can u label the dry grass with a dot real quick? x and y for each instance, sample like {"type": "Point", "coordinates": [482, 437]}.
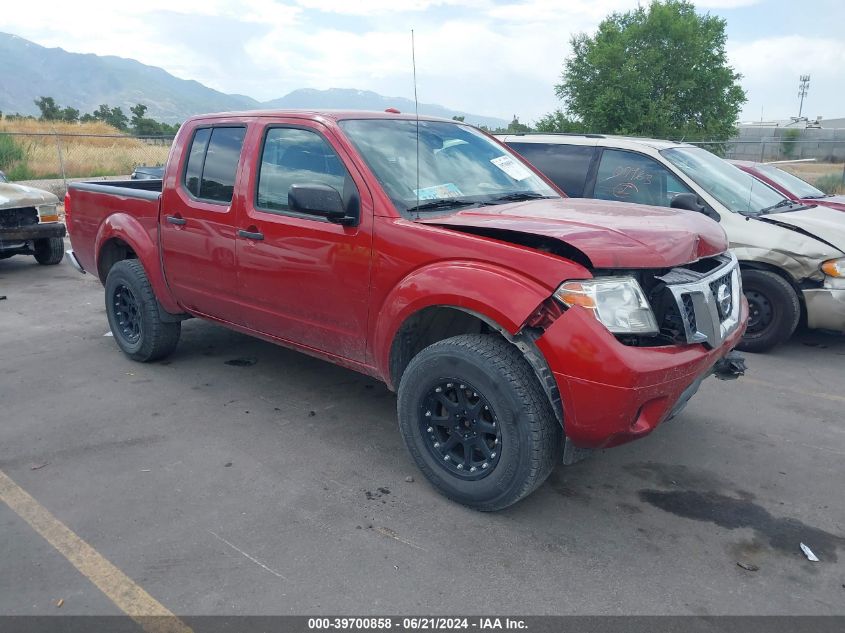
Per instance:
{"type": "Point", "coordinates": [812, 171]}
{"type": "Point", "coordinates": [88, 149]}
{"type": "Point", "coordinates": [828, 177]}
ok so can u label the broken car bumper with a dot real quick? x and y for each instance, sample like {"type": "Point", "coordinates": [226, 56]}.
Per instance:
{"type": "Point", "coordinates": [34, 232]}
{"type": "Point", "coordinates": [631, 390]}
{"type": "Point", "coordinates": [826, 306]}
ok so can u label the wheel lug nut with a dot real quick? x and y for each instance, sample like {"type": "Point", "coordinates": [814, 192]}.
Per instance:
{"type": "Point", "coordinates": [460, 466]}
{"type": "Point", "coordinates": [429, 430]}
{"type": "Point", "coordinates": [492, 455]}
{"type": "Point", "coordinates": [438, 389]}
{"type": "Point", "coordinates": [449, 385]}
{"type": "Point", "coordinates": [486, 408]}
{"type": "Point", "coordinates": [474, 394]}
{"type": "Point", "coordinates": [496, 441]}
{"type": "Point", "coordinates": [428, 414]}
{"type": "Point", "coordinates": [437, 445]}
{"type": "Point", "coordinates": [484, 465]}
{"type": "Point", "coordinates": [446, 458]}
{"type": "Point", "coordinates": [473, 469]}
{"type": "Point", "coordinates": [462, 387]}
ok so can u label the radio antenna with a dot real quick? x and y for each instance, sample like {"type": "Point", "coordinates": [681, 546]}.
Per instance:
{"type": "Point", "coordinates": [417, 116]}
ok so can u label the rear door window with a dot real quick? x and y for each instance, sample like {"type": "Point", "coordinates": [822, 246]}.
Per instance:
{"type": "Point", "coordinates": [632, 177]}
{"type": "Point", "coordinates": [565, 165]}
{"type": "Point", "coordinates": [213, 163]}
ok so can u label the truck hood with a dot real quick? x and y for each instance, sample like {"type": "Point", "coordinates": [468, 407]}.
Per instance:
{"type": "Point", "coordinates": [16, 196]}
{"type": "Point", "coordinates": [823, 223]}
{"type": "Point", "coordinates": [610, 234]}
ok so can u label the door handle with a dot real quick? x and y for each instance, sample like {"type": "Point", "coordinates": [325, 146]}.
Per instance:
{"type": "Point", "coordinates": [251, 235]}
{"type": "Point", "coordinates": [172, 219]}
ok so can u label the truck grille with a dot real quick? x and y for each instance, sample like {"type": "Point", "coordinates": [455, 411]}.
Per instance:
{"type": "Point", "coordinates": [699, 304]}
{"type": "Point", "coordinates": [18, 218]}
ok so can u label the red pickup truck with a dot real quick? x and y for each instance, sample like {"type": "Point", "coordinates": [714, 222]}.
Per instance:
{"type": "Point", "coordinates": [518, 327]}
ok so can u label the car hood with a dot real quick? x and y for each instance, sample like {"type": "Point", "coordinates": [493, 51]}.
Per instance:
{"type": "Point", "coordinates": [16, 196]}
{"type": "Point", "coordinates": [610, 234]}
{"type": "Point", "coordinates": [823, 223]}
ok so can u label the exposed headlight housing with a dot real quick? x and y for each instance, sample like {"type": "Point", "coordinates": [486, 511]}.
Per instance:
{"type": "Point", "coordinates": [618, 302]}
{"type": "Point", "coordinates": [48, 213]}
{"type": "Point", "coordinates": [834, 267]}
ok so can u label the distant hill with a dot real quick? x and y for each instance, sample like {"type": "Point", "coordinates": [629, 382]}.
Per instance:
{"type": "Point", "coordinates": [339, 98]}
{"type": "Point", "coordinates": [29, 70]}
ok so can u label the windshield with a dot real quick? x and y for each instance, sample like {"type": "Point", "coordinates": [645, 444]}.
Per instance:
{"type": "Point", "coordinates": [793, 184]}
{"type": "Point", "coordinates": [458, 165]}
{"type": "Point", "coordinates": [737, 190]}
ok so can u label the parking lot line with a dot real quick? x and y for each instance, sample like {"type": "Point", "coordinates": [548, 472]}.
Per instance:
{"type": "Point", "coordinates": [150, 614]}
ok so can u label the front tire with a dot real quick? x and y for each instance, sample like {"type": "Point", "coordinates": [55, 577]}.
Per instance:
{"type": "Point", "coordinates": [477, 422]}
{"type": "Point", "coordinates": [774, 310]}
{"type": "Point", "coordinates": [49, 251]}
{"type": "Point", "coordinates": [133, 314]}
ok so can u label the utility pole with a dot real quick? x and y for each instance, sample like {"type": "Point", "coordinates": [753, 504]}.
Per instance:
{"type": "Point", "coordinates": [803, 88]}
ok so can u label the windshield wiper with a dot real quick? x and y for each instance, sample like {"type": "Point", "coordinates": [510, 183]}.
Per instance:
{"type": "Point", "coordinates": [517, 196]}
{"type": "Point", "coordinates": [786, 202]}
{"type": "Point", "coordinates": [442, 203]}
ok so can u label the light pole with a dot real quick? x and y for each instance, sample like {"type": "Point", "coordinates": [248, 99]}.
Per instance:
{"type": "Point", "coordinates": [803, 87]}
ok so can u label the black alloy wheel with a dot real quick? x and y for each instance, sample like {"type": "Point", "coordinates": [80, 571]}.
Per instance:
{"type": "Point", "coordinates": [126, 314]}
{"type": "Point", "coordinates": [461, 429]}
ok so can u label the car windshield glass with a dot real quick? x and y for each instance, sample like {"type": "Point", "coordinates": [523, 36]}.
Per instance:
{"type": "Point", "coordinates": [793, 184]}
{"type": "Point", "coordinates": [737, 190]}
{"type": "Point", "coordinates": [457, 164]}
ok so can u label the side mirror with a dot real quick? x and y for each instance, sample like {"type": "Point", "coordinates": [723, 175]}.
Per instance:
{"type": "Point", "coordinates": [690, 202]}
{"type": "Point", "coordinates": [320, 200]}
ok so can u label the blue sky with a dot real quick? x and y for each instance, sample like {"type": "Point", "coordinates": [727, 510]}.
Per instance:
{"type": "Point", "coordinates": [493, 57]}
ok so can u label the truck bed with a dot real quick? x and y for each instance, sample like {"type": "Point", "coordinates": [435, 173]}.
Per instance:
{"type": "Point", "coordinates": [130, 206]}
{"type": "Point", "coordinates": [144, 189]}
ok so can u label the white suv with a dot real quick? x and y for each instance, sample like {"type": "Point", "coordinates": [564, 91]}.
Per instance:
{"type": "Point", "coordinates": [792, 255]}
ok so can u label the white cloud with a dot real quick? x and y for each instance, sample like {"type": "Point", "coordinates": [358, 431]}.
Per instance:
{"type": "Point", "coordinates": [771, 67]}
{"type": "Point", "coordinates": [476, 55]}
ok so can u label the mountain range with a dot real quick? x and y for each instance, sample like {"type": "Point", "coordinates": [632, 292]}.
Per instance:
{"type": "Point", "coordinates": [84, 81]}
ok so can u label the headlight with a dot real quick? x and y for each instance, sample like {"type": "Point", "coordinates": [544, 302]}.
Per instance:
{"type": "Point", "coordinates": [48, 213]}
{"type": "Point", "coordinates": [834, 267]}
{"type": "Point", "coordinates": [618, 302]}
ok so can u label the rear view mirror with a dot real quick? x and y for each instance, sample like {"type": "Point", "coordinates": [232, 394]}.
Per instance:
{"type": "Point", "coordinates": [321, 200]}
{"type": "Point", "coordinates": [691, 202]}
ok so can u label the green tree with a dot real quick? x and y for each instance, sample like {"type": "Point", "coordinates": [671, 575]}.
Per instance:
{"type": "Point", "coordinates": [557, 121]}
{"type": "Point", "coordinates": [68, 114]}
{"type": "Point", "coordinates": [138, 111]}
{"type": "Point", "coordinates": [515, 127]}
{"type": "Point", "coordinates": [657, 71]}
{"type": "Point", "coordinates": [113, 116]}
{"type": "Point", "coordinates": [458, 118]}
{"type": "Point", "coordinates": [50, 110]}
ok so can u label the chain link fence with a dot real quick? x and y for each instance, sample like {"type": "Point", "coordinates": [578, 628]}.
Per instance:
{"type": "Point", "coordinates": [49, 160]}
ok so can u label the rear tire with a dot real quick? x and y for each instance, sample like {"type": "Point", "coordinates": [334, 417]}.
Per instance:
{"type": "Point", "coordinates": [774, 310]}
{"type": "Point", "coordinates": [133, 314]}
{"type": "Point", "coordinates": [49, 251]}
{"type": "Point", "coordinates": [477, 422]}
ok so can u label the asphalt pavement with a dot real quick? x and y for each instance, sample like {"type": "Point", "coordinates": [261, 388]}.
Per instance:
{"type": "Point", "coordinates": [237, 477]}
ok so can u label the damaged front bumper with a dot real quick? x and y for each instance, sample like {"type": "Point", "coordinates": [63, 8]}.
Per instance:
{"type": "Point", "coordinates": [613, 393]}
{"type": "Point", "coordinates": [826, 305]}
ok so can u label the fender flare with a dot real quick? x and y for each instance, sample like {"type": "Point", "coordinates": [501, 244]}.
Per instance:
{"type": "Point", "coordinates": [495, 294]}
{"type": "Point", "coordinates": [128, 229]}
